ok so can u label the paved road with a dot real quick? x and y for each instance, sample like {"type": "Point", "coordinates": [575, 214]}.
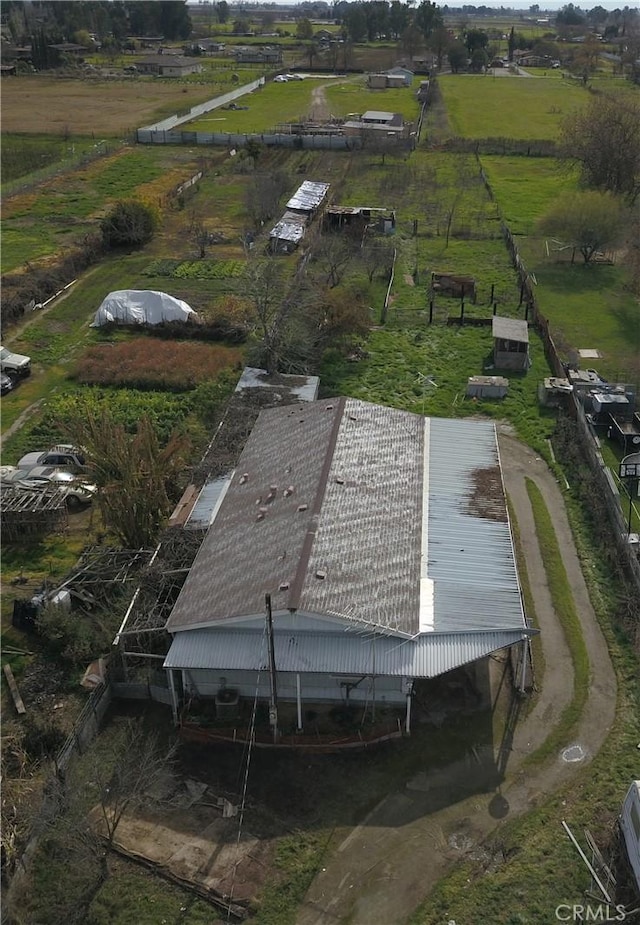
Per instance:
{"type": "Point", "coordinates": [387, 865]}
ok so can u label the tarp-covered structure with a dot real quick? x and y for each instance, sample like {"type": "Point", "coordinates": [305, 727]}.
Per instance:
{"type": "Point", "coordinates": [141, 306]}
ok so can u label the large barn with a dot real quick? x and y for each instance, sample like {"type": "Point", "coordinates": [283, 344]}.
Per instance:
{"type": "Point", "coordinates": [383, 542]}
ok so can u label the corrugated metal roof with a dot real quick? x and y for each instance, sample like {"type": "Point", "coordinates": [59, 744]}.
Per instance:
{"type": "Point", "coordinates": [334, 653]}
{"type": "Point", "coordinates": [308, 196]}
{"type": "Point", "coordinates": [208, 502]}
{"type": "Point", "coordinates": [365, 513]}
{"type": "Point", "coordinates": [377, 115]}
{"type": "Point", "coordinates": [304, 388]}
{"type": "Point", "coordinates": [510, 329]}
{"type": "Point", "coordinates": [290, 227]}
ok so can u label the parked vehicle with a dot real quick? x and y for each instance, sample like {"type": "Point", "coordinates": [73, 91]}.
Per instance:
{"type": "Point", "coordinates": [6, 383]}
{"type": "Point", "coordinates": [63, 454]}
{"type": "Point", "coordinates": [14, 364]}
{"type": "Point", "coordinates": [294, 76]}
{"type": "Point", "coordinates": [43, 478]}
{"type": "Point", "coordinates": [280, 79]}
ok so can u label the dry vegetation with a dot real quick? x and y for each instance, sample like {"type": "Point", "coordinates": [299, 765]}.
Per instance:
{"type": "Point", "coordinates": [146, 363]}
{"type": "Point", "coordinates": [101, 107]}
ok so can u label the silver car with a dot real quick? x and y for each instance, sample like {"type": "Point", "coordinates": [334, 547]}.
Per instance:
{"type": "Point", "coordinates": [41, 478]}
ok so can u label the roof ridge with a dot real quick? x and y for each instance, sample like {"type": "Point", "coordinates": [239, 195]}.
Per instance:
{"type": "Point", "coordinates": [307, 544]}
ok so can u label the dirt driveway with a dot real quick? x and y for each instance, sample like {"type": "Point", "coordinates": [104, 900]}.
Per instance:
{"type": "Point", "coordinates": [388, 864]}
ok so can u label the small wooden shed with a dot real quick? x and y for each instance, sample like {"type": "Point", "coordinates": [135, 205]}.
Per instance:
{"type": "Point", "coordinates": [510, 343]}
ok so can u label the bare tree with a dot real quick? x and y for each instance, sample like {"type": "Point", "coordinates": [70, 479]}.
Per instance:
{"type": "Point", "coordinates": [332, 255]}
{"type": "Point", "coordinates": [263, 195]}
{"type": "Point", "coordinates": [604, 139]}
{"type": "Point", "coordinates": [269, 308]}
{"type": "Point", "coordinates": [198, 233]}
{"type": "Point", "coordinates": [376, 256]}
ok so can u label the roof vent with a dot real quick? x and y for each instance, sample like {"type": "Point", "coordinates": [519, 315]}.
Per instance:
{"type": "Point", "coordinates": [328, 408]}
{"type": "Point", "coordinates": [352, 417]}
{"type": "Point", "coordinates": [339, 480]}
{"type": "Point", "coordinates": [302, 507]}
{"type": "Point", "coordinates": [244, 478]}
{"type": "Point", "coordinates": [284, 586]}
{"type": "Point", "coordinates": [260, 516]}
{"type": "Point", "coordinates": [288, 491]}
{"type": "Point", "coordinates": [321, 574]}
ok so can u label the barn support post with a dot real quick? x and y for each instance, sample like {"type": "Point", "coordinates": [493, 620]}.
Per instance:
{"type": "Point", "coordinates": [174, 696]}
{"type": "Point", "coordinates": [407, 722]}
{"type": "Point", "coordinates": [299, 701]}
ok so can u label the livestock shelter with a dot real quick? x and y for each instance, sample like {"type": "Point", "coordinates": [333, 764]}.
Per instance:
{"type": "Point", "coordinates": [357, 549]}
{"type": "Point", "coordinates": [510, 343]}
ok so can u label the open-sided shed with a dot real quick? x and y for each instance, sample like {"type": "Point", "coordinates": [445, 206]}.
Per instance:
{"type": "Point", "coordinates": [510, 343]}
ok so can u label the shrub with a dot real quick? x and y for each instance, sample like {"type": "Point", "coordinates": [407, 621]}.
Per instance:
{"type": "Point", "coordinates": [129, 224]}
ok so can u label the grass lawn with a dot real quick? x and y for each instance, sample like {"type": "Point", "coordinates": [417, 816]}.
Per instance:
{"type": "Point", "coordinates": [273, 103]}
{"type": "Point", "coordinates": [508, 107]}
{"type": "Point", "coordinates": [526, 187]}
{"type": "Point", "coordinates": [588, 306]}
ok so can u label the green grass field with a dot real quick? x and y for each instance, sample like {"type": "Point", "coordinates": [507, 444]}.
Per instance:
{"type": "Point", "coordinates": [509, 107]}
{"type": "Point", "coordinates": [526, 187]}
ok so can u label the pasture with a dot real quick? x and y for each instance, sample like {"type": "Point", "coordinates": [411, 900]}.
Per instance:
{"type": "Point", "coordinates": [526, 187]}
{"type": "Point", "coordinates": [509, 107]}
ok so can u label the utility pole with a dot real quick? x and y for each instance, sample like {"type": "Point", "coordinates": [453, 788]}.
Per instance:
{"type": "Point", "coordinates": [273, 706]}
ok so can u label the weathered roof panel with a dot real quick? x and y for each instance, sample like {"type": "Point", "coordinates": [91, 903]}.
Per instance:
{"type": "Point", "coordinates": [510, 329]}
{"type": "Point", "coordinates": [346, 653]}
{"type": "Point", "coordinates": [308, 196]}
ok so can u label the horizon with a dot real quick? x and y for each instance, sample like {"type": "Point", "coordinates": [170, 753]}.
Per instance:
{"type": "Point", "coordinates": [519, 6]}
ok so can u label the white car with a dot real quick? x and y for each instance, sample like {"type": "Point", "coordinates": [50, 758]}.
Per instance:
{"type": "Point", "coordinates": [63, 454]}
{"type": "Point", "coordinates": [294, 76]}
{"type": "Point", "coordinates": [14, 364]}
{"type": "Point", "coordinates": [41, 478]}
{"type": "Point", "coordinates": [280, 79]}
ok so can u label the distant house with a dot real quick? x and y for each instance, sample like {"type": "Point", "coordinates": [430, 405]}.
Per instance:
{"type": "Point", "coordinates": [70, 48]}
{"type": "Point", "coordinates": [268, 55]}
{"type": "Point", "coordinates": [510, 343]}
{"type": "Point", "coordinates": [168, 66]}
{"type": "Point", "coordinates": [403, 72]}
{"type": "Point", "coordinates": [396, 77]}
{"type": "Point", "coordinates": [323, 35]}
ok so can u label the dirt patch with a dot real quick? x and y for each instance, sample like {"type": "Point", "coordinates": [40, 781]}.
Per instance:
{"type": "Point", "coordinates": [486, 500]}
{"type": "Point", "coordinates": [197, 838]}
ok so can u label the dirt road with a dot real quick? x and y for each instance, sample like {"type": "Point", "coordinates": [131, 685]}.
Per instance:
{"type": "Point", "coordinates": [387, 865]}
